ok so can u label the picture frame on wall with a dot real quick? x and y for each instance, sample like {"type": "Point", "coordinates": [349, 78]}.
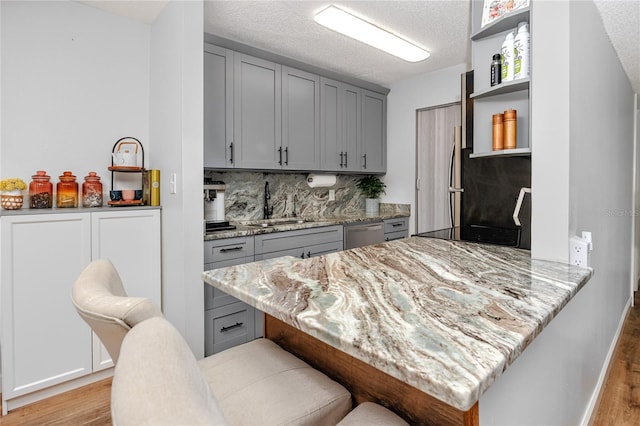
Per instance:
{"type": "Point", "coordinates": [496, 9]}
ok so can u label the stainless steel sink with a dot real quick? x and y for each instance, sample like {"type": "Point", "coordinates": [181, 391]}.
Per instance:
{"type": "Point", "coordinates": [276, 222]}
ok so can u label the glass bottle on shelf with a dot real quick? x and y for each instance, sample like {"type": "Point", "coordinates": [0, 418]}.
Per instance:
{"type": "Point", "coordinates": [40, 191]}
{"type": "Point", "coordinates": [92, 191]}
{"type": "Point", "coordinates": [67, 191]}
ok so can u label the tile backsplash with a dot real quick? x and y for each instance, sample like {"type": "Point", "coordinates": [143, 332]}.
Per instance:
{"type": "Point", "coordinates": [244, 195]}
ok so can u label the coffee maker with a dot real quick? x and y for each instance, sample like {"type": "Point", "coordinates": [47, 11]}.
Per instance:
{"type": "Point", "coordinates": [214, 213]}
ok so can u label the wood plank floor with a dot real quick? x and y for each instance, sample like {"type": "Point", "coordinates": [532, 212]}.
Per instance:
{"type": "Point", "coordinates": [620, 397]}
{"type": "Point", "coordinates": [619, 403]}
{"type": "Point", "coordinates": [88, 406]}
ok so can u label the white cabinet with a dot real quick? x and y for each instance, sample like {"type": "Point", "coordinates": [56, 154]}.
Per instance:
{"type": "Point", "coordinates": [45, 343]}
{"type": "Point", "coordinates": [131, 241]}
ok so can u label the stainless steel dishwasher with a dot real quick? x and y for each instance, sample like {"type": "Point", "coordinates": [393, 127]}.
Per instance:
{"type": "Point", "coordinates": [363, 234]}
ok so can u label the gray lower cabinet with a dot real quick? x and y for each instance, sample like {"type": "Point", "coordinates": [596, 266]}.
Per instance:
{"type": "Point", "coordinates": [302, 243]}
{"type": "Point", "coordinates": [374, 132]}
{"type": "Point", "coordinates": [340, 126]}
{"type": "Point", "coordinates": [395, 229]}
{"type": "Point", "coordinates": [218, 107]}
{"type": "Point", "coordinates": [228, 321]}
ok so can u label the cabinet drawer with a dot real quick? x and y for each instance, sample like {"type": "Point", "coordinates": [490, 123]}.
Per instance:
{"type": "Point", "coordinates": [227, 249]}
{"type": "Point", "coordinates": [390, 236]}
{"type": "Point", "coordinates": [395, 225]}
{"type": "Point", "coordinates": [228, 326]}
{"type": "Point", "coordinates": [280, 241]}
{"type": "Point", "coordinates": [304, 252]}
{"type": "Point", "coordinates": [214, 297]}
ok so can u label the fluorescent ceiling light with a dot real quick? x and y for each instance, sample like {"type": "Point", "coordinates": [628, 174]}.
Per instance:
{"type": "Point", "coordinates": [354, 27]}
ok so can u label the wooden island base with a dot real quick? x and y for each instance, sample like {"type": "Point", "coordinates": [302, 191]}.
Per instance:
{"type": "Point", "coordinates": [365, 382]}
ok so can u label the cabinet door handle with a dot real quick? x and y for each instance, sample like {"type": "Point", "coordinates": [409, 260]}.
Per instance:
{"type": "Point", "coordinates": [280, 155]}
{"type": "Point", "coordinates": [345, 158]}
{"type": "Point", "coordinates": [309, 253]}
{"type": "Point", "coordinates": [341, 159]}
{"type": "Point", "coordinates": [231, 327]}
{"type": "Point", "coordinates": [227, 250]}
{"type": "Point", "coordinates": [302, 255]}
{"type": "Point", "coordinates": [286, 156]}
{"type": "Point", "coordinates": [231, 153]}
{"type": "Point", "coordinates": [365, 161]}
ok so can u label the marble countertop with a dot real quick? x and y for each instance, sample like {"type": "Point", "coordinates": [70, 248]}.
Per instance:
{"type": "Point", "coordinates": [251, 227]}
{"type": "Point", "coordinates": [447, 317]}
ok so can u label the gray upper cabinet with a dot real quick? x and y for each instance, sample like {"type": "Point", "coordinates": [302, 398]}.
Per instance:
{"type": "Point", "coordinates": [340, 126]}
{"type": "Point", "coordinates": [218, 107]}
{"type": "Point", "coordinates": [260, 115]}
{"type": "Point", "coordinates": [257, 113]}
{"type": "Point", "coordinates": [300, 148]}
{"type": "Point", "coordinates": [374, 132]}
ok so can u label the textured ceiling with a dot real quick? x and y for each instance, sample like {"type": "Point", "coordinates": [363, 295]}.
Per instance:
{"type": "Point", "coordinates": [441, 26]}
{"type": "Point", "coordinates": [622, 22]}
{"type": "Point", "coordinates": [288, 28]}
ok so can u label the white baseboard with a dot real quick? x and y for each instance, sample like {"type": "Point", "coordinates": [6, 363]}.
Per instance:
{"type": "Point", "coordinates": [595, 397]}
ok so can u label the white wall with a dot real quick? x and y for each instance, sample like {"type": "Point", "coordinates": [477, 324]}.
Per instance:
{"type": "Point", "coordinates": [176, 127]}
{"type": "Point", "coordinates": [75, 79]}
{"type": "Point", "coordinates": [582, 180]}
{"type": "Point", "coordinates": [405, 98]}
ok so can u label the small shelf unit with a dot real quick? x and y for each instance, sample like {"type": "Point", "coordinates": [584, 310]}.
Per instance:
{"type": "Point", "coordinates": [489, 100]}
{"type": "Point", "coordinates": [127, 169]}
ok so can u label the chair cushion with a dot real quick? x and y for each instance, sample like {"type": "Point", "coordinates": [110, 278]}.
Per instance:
{"type": "Point", "coordinates": [102, 302]}
{"type": "Point", "coordinates": [158, 381]}
{"type": "Point", "coordinates": [260, 383]}
{"type": "Point", "coordinates": [370, 414]}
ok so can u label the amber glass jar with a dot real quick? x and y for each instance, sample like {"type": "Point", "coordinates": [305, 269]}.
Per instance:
{"type": "Point", "coordinates": [40, 191]}
{"type": "Point", "coordinates": [92, 191]}
{"type": "Point", "coordinates": [67, 191]}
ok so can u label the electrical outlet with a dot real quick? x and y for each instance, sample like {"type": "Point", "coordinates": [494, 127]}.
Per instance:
{"type": "Point", "coordinates": [332, 195]}
{"type": "Point", "coordinates": [579, 252]}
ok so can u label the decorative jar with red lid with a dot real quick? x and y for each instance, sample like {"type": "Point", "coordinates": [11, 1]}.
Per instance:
{"type": "Point", "coordinates": [67, 191]}
{"type": "Point", "coordinates": [40, 191]}
{"type": "Point", "coordinates": [92, 191]}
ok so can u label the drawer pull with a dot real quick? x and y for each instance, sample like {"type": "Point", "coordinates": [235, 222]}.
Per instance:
{"type": "Point", "coordinates": [302, 255]}
{"type": "Point", "coordinates": [309, 253]}
{"type": "Point", "coordinates": [231, 327]}
{"type": "Point", "coordinates": [227, 250]}
{"type": "Point", "coordinates": [396, 224]}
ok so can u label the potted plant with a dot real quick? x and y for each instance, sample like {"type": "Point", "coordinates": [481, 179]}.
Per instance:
{"type": "Point", "coordinates": [372, 187]}
{"type": "Point", "coordinates": [11, 193]}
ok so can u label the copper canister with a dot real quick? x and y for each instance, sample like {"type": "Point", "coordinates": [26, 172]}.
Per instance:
{"type": "Point", "coordinates": [510, 129]}
{"type": "Point", "coordinates": [498, 132]}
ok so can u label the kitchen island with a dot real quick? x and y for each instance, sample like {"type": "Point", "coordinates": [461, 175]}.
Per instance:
{"type": "Point", "coordinates": [428, 325]}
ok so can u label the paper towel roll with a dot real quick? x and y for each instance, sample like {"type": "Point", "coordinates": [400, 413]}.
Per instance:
{"type": "Point", "coordinates": [320, 181]}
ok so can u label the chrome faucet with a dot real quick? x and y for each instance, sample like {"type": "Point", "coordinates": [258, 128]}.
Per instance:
{"type": "Point", "coordinates": [267, 211]}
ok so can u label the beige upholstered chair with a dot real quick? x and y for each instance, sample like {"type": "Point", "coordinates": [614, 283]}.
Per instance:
{"type": "Point", "coordinates": [102, 302]}
{"type": "Point", "coordinates": [158, 381]}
